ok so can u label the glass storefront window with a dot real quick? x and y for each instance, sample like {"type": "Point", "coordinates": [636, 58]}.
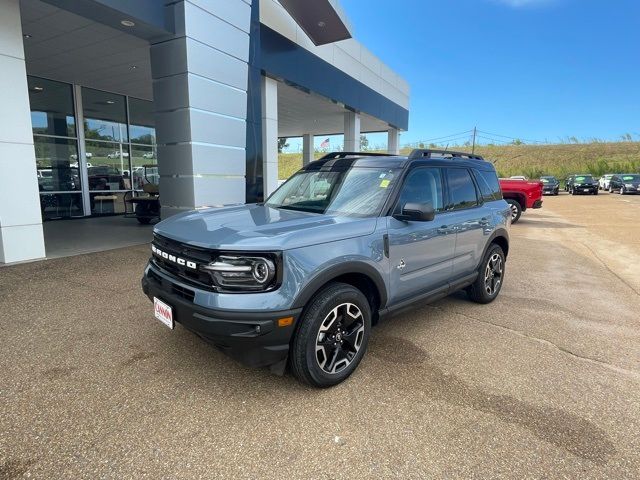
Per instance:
{"type": "Point", "coordinates": [107, 203]}
{"type": "Point", "coordinates": [144, 166]}
{"type": "Point", "coordinates": [108, 167]}
{"type": "Point", "coordinates": [57, 164]}
{"type": "Point", "coordinates": [52, 111]}
{"type": "Point", "coordinates": [61, 205]}
{"type": "Point", "coordinates": [120, 148]}
{"type": "Point", "coordinates": [105, 116]}
{"type": "Point", "coordinates": [142, 123]}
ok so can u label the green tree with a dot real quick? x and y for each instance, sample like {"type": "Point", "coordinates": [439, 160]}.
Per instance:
{"type": "Point", "coordinates": [282, 144]}
{"type": "Point", "coordinates": [364, 143]}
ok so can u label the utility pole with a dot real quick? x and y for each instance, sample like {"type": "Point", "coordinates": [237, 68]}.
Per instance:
{"type": "Point", "coordinates": [473, 149]}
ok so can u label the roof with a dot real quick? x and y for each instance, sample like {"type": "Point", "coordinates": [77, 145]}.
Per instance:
{"type": "Point", "coordinates": [345, 160]}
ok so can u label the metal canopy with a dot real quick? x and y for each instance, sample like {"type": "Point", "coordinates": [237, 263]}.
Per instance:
{"type": "Point", "coordinates": [319, 20]}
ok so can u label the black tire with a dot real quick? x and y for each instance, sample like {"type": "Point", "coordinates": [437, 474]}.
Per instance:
{"type": "Point", "coordinates": [310, 365]}
{"type": "Point", "coordinates": [516, 210]}
{"type": "Point", "coordinates": [622, 191]}
{"type": "Point", "coordinates": [595, 193]}
{"type": "Point", "coordinates": [479, 291]}
{"type": "Point", "coordinates": [144, 220]}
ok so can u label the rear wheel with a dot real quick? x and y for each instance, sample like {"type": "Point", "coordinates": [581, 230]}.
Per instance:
{"type": "Point", "coordinates": [487, 286]}
{"type": "Point", "coordinates": [332, 336]}
{"type": "Point", "coordinates": [516, 210]}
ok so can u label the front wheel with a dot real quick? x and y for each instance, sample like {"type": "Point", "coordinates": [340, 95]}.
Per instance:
{"type": "Point", "coordinates": [332, 336]}
{"type": "Point", "coordinates": [622, 191]}
{"type": "Point", "coordinates": [490, 278]}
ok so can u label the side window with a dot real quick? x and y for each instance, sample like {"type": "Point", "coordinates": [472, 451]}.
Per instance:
{"type": "Point", "coordinates": [462, 190]}
{"type": "Point", "coordinates": [489, 185]}
{"type": "Point", "coordinates": [422, 185]}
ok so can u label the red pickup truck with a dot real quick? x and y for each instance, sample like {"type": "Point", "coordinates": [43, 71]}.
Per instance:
{"type": "Point", "coordinates": [520, 195]}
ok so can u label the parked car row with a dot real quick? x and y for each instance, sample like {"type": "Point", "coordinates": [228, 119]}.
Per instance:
{"type": "Point", "coordinates": [622, 183]}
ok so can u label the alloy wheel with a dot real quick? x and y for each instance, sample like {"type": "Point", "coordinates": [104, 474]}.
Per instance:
{"type": "Point", "coordinates": [493, 274]}
{"type": "Point", "coordinates": [339, 338]}
{"type": "Point", "coordinates": [514, 212]}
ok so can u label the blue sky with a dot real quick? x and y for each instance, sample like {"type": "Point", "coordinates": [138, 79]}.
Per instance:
{"type": "Point", "coordinates": [534, 69]}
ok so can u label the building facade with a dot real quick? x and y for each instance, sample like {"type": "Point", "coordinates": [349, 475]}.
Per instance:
{"type": "Point", "coordinates": [101, 96]}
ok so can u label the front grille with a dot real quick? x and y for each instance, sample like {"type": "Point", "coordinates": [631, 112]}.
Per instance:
{"type": "Point", "coordinates": [185, 293]}
{"type": "Point", "coordinates": [197, 255]}
{"type": "Point", "coordinates": [169, 286]}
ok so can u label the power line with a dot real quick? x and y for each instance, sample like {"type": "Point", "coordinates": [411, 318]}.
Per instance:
{"type": "Point", "coordinates": [446, 136]}
{"type": "Point", "coordinates": [511, 138]}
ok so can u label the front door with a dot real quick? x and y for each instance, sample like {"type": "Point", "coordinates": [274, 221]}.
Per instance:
{"type": "Point", "coordinates": [420, 253]}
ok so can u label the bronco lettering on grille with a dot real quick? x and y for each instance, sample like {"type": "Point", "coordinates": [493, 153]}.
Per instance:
{"type": "Point", "coordinates": [172, 258]}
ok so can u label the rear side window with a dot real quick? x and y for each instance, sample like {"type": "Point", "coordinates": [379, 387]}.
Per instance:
{"type": "Point", "coordinates": [462, 190]}
{"type": "Point", "coordinates": [489, 185]}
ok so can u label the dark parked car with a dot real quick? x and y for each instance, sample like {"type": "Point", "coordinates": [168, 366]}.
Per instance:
{"type": "Point", "coordinates": [567, 182]}
{"type": "Point", "coordinates": [583, 184]}
{"type": "Point", "coordinates": [625, 183]}
{"type": "Point", "coordinates": [551, 185]}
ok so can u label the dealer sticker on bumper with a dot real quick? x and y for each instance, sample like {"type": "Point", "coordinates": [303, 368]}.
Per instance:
{"type": "Point", "coordinates": [163, 312]}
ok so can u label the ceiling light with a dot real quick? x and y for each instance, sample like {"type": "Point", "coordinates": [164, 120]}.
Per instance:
{"type": "Point", "coordinates": [127, 23]}
{"type": "Point", "coordinates": [133, 67]}
{"type": "Point", "coordinates": [322, 24]}
{"type": "Point", "coordinates": [37, 89]}
{"type": "Point", "coordinates": [110, 102]}
{"type": "Point", "coordinates": [26, 36]}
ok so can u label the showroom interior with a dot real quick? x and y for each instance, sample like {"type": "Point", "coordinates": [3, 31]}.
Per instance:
{"type": "Point", "coordinates": [103, 97]}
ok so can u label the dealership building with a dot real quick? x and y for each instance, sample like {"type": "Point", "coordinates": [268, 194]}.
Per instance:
{"type": "Point", "coordinates": [100, 97]}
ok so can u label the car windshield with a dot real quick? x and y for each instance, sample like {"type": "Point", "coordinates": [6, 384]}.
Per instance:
{"type": "Point", "coordinates": [584, 179]}
{"type": "Point", "coordinates": [548, 179]}
{"type": "Point", "coordinates": [631, 178]}
{"type": "Point", "coordinates": [359, 192]}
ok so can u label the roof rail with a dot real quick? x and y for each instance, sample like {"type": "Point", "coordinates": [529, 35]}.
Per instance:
{"type": "Point", "coordinates": [427, 153]}
{"type": "Point", "coordinates": [334, 155]}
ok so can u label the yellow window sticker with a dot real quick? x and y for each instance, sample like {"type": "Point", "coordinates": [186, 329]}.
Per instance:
{"type": "Point", "coordinates": [385, 183]}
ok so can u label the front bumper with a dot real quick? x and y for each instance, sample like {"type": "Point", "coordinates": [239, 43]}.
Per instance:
{"type": "Point", "coordinates": [537, 204]}
{"type": "Point", "coordinates": [252, 338]}
{"type": "Point", "coordinates": [585, 189]}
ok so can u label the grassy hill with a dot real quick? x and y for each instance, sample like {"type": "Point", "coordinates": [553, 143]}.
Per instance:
{"type": "Point", "coordinates": [535, 160]}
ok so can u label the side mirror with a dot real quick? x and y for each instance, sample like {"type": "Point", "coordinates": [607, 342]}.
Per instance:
{"type": "Point", "coordinates": [416, 212]}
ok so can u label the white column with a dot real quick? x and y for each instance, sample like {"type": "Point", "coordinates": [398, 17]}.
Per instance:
{"type": "Point", "coordinates": [351, 132]}
{"type": "Point", "coordinates": [393, 145]}
{"type": "Point", "coordinates": [307, 149]}
{"type": "Point", "coordinates": [21, 236]}
{"type": "Point", "coordinates": [200, 82]}
{"type": "Point", "coordinates": [269, 135]}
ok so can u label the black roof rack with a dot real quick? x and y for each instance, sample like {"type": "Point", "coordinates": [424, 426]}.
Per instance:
{"type": "Point", "coordinates": [427, 153]}
{"type": "Point", "coordinates": [334, 155]}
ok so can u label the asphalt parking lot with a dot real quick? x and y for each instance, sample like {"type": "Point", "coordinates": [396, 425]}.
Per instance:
{"type": "Point", "coordinates": [544, 382]}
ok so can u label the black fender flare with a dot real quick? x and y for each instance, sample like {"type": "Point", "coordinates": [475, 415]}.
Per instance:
{"type": "Point", "coordinates": [335, 271]}
{"type": "Point", "coordinates": [500, 232]}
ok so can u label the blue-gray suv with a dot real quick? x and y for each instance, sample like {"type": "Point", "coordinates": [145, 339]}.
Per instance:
{"type": "Point", "coordinates": [350, 239]}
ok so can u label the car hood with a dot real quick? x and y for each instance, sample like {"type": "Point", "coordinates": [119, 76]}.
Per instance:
{"type": "Point", "coordinates": [258, 227]}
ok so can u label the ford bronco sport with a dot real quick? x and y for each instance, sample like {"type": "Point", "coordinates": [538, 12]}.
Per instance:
{"type": "Point", "coordinates": [348, 240]}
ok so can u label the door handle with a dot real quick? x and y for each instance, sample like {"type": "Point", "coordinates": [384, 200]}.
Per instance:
{"type": "Point", "coordinates": [445, 230]}
{"type": "Point", "coordinates": [484, 222]}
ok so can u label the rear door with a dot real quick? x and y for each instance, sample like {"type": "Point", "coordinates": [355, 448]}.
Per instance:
{"type": "Point", "coordinates": [469, 219]}
{"type": "Point", "coordinates": [420, 253]}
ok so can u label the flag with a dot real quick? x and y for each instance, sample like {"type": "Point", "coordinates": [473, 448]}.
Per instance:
{"type": "Point", "coordinates": [325, 144]}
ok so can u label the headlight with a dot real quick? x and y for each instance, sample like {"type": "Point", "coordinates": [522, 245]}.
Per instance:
{"type": "Point", "coordinates": [628, 185]}
{"type": "Point", "coordinates": [233, 272]}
